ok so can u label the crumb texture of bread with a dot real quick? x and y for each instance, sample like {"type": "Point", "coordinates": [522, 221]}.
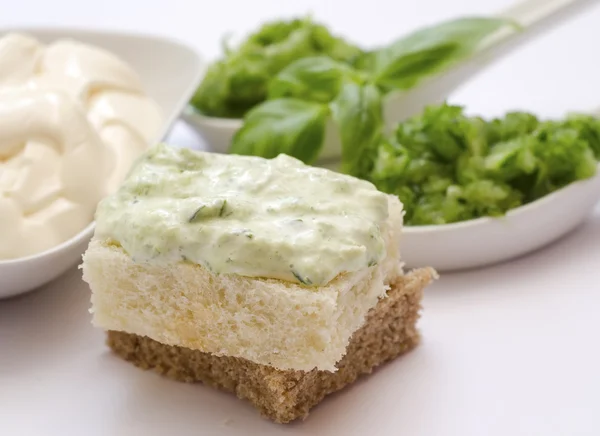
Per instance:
{"type": "Point", "coordinates": [266, 321]}
{"type": "Point", "coordinates": [286, 395]}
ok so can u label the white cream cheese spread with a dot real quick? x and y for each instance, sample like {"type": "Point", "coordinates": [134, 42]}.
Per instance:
{"type": "Point", "coordinates": [244, 215]}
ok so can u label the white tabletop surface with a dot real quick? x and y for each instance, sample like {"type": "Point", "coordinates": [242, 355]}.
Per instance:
{"type": "Point", "coordinates": [507, 351]}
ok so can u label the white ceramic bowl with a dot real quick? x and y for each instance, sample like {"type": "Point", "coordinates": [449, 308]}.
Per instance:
{"type": "Point", "coordinates": [170, 72]}
{"type": "Point", "coordinates": [485, 241]}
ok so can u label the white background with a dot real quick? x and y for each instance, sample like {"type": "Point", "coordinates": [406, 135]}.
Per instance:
{"type": "Point", "coordinates": [509, 350]}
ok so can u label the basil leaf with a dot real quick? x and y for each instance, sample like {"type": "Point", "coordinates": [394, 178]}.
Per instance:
{"type": "Point", "coordinates": [357, 110]}
{"type": "Point", "coordinates": [430, 50]}
{"type": "Point", "coordinates": [315, 78]}
{"type": "Point", "coordinates": [285, 125]}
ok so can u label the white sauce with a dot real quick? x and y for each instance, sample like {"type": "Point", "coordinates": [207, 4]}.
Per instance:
{"type": "Point", "coordinates": [73, 118]}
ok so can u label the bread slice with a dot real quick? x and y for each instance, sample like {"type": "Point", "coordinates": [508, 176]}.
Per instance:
{"type": "Point", "coordinates": [285, 395]}
{"type": "Point", "coordinates": [266, 321]}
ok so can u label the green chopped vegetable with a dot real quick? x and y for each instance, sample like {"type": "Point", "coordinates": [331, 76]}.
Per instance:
{"type": "Point", "coordinates": [448, 167]}
{"type": "Point", "coordinates": [588, 128]}
{"type": "Point", "coordinates": [513, 125]}
{"type": "Point", "coordinates": [240, 81]}
{"type": "Point", "coordinates": [285, 125]}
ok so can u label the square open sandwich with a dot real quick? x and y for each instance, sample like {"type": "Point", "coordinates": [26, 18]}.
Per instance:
{"type": "Point", "coordinates": [268, 278]}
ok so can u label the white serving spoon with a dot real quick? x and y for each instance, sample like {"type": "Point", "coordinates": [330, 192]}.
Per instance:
{"type": "Point", "coordinates": [534, 16]}
{"type": "Point", "coordinates": [170, 72]}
